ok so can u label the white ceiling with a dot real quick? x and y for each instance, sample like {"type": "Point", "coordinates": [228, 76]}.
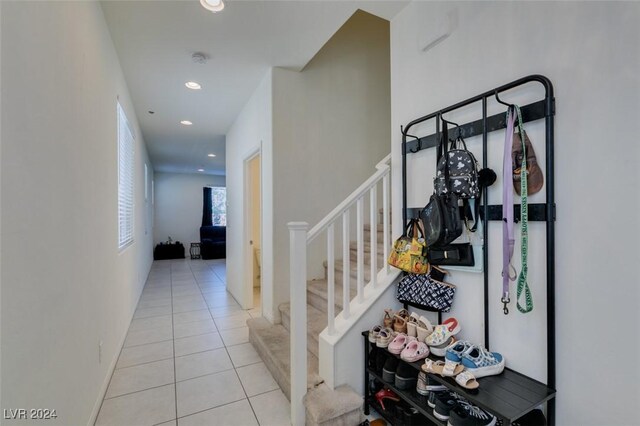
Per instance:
{"type": "Point", "coordinates": [155, 41]}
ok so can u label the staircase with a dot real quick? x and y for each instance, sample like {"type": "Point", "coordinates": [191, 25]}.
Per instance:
{"type": "Point", "coordinates": [323, 405]}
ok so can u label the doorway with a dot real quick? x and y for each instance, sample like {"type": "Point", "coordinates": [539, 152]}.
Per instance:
{"type": "Point", "coordinates": [254, 228]}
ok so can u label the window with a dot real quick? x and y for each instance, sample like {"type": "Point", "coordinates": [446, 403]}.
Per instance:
{"type": "Point", "coordinates": [125, 180]}
{"type": "Point", "coordinates": [219, 205]}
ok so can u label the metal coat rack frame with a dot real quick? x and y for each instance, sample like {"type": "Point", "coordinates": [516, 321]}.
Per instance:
{"type": "Point", "coordinates": [546, 212]}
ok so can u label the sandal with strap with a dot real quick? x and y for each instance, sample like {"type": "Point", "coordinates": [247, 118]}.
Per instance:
{"type": "Point", "coordinates": [433, 367]}
{"type": "Point", "coordinates": [399, 324]}
{"type": "Point", "coordinates": [467, 380]}
{"type": "Point", "coordinates": [451, 368]}
{"type": "Point", "coordinates": [387, 321]}
{"type": "Point", "coordinates": [443, 332]}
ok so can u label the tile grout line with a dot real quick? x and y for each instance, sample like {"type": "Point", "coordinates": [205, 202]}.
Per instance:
{"type": "Point", "coordinates": [104, 398]}
{"type": "Point", "coordinates": [234, 367]}
{"type": "Point", "coordinates": [175, 376]}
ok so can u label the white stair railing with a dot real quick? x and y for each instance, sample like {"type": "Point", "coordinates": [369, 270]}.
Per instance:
{"type": "Point", "coordinates": [300, 239]}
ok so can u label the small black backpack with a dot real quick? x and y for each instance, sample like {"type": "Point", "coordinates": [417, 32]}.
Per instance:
{"type": "Point", "coordinates": [463, 170]}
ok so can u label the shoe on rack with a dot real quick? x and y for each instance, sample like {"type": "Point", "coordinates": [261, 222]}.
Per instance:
{"type": "Point", "coordinates": [412, 324]}
{"type": "Point", "coordinates": [410, 417]}
{"type": "Point", "coordinates": [373, 333]}
{"type": "Point", "coordinates": [389, 369]}
{"type": "Point", "coordinates": [406, 376]}
{"type": "Point", "coordinates": [441, 350]}
{"type": "Point", "coordinates": [482, 363]}
{"type": "Point", "coordinates": [400, 342]}
{"type": "Point", "coordinates": [445, 402]}
{"type": "Point", "coordinates": [442, 333]}
{"type": "Point", "coordinates": [433, 396]}
{"type": "Point", "coordinates": [426, 385]}
{"type": "Point", "coordinates": [386, 394]}
{"type": "Point", "coordinates": [381, 358]}
{"type": "Point", "coordinates": [387, 320]}
{"type": "Point", "coordinates": [423, 329]}
{"type": "Point", "coordinates": [415, 351]}
{"type": "Point", "coordinates": [400, 323]}
{"type": "Point", "coordinates": [384, 337]}
{"type": "Point", "coordinates": [466, 414]}
{"type": "Point", "coordinates": [456, 350]}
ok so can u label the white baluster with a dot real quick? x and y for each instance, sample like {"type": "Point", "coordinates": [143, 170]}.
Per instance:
{"type": "Point", "coordinates": [359, 247]}
{"type": "Point", "coordinates": [298, 320]}
{"type": "Point", "coordinates": [385, 220]}
{"type": "Point", "coordinates": [331, 282]}
{"type": "Point", "coordinates": [373, 218]}
{"type": "Point", "coordinates": [346, 266]}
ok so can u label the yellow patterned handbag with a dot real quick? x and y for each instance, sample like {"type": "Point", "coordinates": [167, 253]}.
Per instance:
{"type": "Point", "coordinates": [406, 253]}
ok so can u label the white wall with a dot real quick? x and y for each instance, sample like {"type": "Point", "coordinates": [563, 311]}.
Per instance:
{"type": "Point", "coordinates": [178, 206]}
{"type": "Point", "coordinates": [65, 287]}
{"type": "Point", "coordinates": [249, 133]}
{"type": "Point", "coordinates": [590, 53]}
{"type": "Point", "coordinates": [331, 127]}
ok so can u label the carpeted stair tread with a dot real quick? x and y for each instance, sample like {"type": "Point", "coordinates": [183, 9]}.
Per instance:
{"type": "Point", "coordinates": [339, 407]}
{"type": "Point", "coordinates": [272, 342]}
{"type": "Point", "coordinates": [353, 267]}
{"type": "Point", "coordinates": [319, 288]}
{"type": "Point", "coordinates": [316, 322]}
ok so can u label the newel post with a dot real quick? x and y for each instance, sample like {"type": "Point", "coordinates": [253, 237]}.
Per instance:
{"type": "Point", "coordinates": [298, 322]}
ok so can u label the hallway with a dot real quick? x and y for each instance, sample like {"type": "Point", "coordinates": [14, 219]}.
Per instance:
{"type": "Point", "coordinates": [186, 359]}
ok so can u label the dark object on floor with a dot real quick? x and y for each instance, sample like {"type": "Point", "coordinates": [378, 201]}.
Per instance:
{"type": "Point", "coordinates": [376, 422]}
{"type": "Point", "coordinates": [213, 242]}
{"type": "Point", "coordinates": [168, 251]}
{"type": "Point", "coordinates": [194, 251]}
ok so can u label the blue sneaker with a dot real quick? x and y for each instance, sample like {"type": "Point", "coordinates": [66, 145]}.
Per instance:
{"type": "Point", "coordinates": [457, 349]}
{"type": "Point", "coordinates": [480, 362]}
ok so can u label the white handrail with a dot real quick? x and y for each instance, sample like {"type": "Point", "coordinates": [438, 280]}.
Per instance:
{"type": "Point", "coordinates": [383, 168]}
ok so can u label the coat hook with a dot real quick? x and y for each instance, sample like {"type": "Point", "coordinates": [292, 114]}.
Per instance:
{"type": "Point", "coordinates": [495, 93]}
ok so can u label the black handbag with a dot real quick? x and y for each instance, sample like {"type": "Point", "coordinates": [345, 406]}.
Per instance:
{"type": "Point", "coordinates": [441, 220]}
{"type": "Point", "coordinates": [460, 254]}
{"type": "Point", "coordinates": [424, 292]}
{"type": "Point", "coordinates": [441, 216]}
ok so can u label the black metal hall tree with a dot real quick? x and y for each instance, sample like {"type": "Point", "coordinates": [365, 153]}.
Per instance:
{"type": "Point", "coordinates": [542, 109]}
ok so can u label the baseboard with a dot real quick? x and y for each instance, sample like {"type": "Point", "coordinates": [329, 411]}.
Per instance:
{"type": "Point", "coordinates": [112, 367]}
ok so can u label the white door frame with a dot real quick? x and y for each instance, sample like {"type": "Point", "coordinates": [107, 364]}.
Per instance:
{"type": "Point", "coordinates": [247, 274]}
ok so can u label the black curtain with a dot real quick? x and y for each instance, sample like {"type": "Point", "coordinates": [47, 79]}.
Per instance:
{"type": "Point", "coordinates": [207, 208]}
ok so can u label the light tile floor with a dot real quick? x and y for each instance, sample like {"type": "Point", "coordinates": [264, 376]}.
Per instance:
{"type": "Point", "coordinates": [187, 359]}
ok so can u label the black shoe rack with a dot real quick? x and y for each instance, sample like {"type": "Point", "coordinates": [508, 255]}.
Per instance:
{"type": "Point", "coordinates": [510, 394]}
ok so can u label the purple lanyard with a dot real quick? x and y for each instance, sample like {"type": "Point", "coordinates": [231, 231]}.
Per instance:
{"type": "Point", "coordinates": [508, 239]}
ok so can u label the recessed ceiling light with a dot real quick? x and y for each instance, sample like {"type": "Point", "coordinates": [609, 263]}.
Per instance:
{"type": "Point", "coordinates": [201, 170]}
{"type": "Point", "coordinates": [186, 122]}
{"type": "Point", "coordinates": [193, 85]}
{"type": "Point", "coordinates": [211, 155]}
{"type": "Point", "coordinates": [212, 5]}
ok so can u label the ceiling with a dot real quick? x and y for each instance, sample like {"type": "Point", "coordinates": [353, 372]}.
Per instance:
{"type": "Point", "coordinates": [155, 40]}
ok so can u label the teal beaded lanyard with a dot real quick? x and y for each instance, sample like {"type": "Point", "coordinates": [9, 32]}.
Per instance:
{"type": "Point", "coordinates": [523, 285]}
